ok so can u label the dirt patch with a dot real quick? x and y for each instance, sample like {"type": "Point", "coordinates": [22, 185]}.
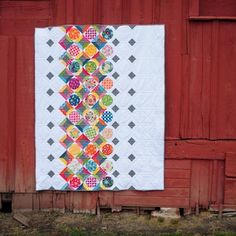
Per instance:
{"type": "Point", "coordinates": [123, 223]}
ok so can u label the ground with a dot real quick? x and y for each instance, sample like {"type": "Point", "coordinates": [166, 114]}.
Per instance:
{"type": "Point", "coordinates": [122, 223]}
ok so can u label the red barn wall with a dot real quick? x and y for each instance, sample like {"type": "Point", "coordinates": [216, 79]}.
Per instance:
{"type": "Point", "coordinates": [200, 71]}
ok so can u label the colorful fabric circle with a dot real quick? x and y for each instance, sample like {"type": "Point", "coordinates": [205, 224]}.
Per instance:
{"type": "Point", "coordinates": [90, 116]}
{"type": "Point", "coordinates": [74, 117]}
{"type": "Point", "coordinates": [91, 34]}
{"type": "Point", "coordinates": [91, 182]}
{"type": "Point", "coordinates": [74, 83]}
{"type": "Point", "coordinates": [91, 50]}
{"type": "Point", "coordinates": [107, 116]}
{"type": "Point", "coordinates": [91, 149]}
{"type": "Point", "coordinates": [91, 133]}
{"type": "Point", "coordinates": [74, 66]}
{"type": "Point", "coordinates": [107, 100]}
{"type": "Point", "coordinates": [107, 166]}
{"type": "Point", "coordinates": [90, 67]}
{"type": "Point", "coordinates": [74, 50]}
{"type": "Point", "coordinates": [90, 82]}
{"type": "Point", "coordinates": [74, 166]}
{"type": "Point", "coordinates": [91, 99]}
{"type": "Point", "coordinates": [107, 149]}
{"type": "Point", "coordinates": [107, 133]}
{"type": "Point", "coordinates": [107, 50]}
{"type": "Point", "coordinates": [75, 182]}
{"type": "Point", "coordinates": [106, 67]}
{"type": "Point", "coordinates": [74, 133]}
{"type": "Point", "coordinates": [107, 83]}
{"type": "Point", "coordinates": [107, 181]}
{"type": "Point", "coordinates": [74, 100]}
{"type": "Point", "coordinates": [91, 165]}
{"type": "Point", "coordinates": [107, 33]}
{"type": "Point", "coordinates": [74, 34]}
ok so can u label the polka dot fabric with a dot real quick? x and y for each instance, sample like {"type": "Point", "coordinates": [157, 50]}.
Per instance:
{"type": "Point", "coordinates": [107, 116]}
{"type": "Point", "coordinates": [107, 83]}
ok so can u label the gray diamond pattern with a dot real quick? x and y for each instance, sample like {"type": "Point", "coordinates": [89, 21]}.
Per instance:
{"type": "Point", "coordinates": [132, 188]}
{"type": "Point", "coordinates": [131, 141]}
{"type": "Point", "coordinates": [131, 124]}
{"type": "Point", "coordinates": [50, 59]}
{"type": "Point", "coordinates": [50, 75]}
{"type": "Point", "coordinates": [131, 92]}
{"type": "Point", "coordinates": [132, 58]}
{"type": "Point", "coordinates": [115, 141]}
{"type": "Point", "coordinates": [51, 173]}
{"type": "Point", "coordinates": [132, 42]}
{"type": "Point", "coordinates": [50, 92]}
{"type": "Point", "coordinates": [115, 58]}
{"type": "Point", "coordinates": [115, 125]}
{"type": "Point", "coordinates": [115, 92]}
{"type": "Point", "coordinates": [115, 42]}
{"type": "Point", "coordinates": [131, 75]}
{"type": "Point", "coordinates": [131, 157]}
{"type": "Point", "coordinates": [51, 157]}
{"type": "Point", "coordinates": [50, 42]}
{"type": "Point", "coordinates": [132, 173]}
{"type": "Point", "coordinates": [115, 108]}
{"type": "Point", "coordinates": [116, 189]}
{"type": "Point", "coordinates": [115, 75]}
{"type": "Point", "coordinates": [50, 125]}
{"type": "Point", "coordinates": [131, 108]}
{"type": "Point", "coordinates": [115, 157]}
{"type": "Point", "coordinates": [116, 173]}
{"type": "Point", "coordinates": [50, 108]}
{"type": "Point", "coordinates": [50, 141]}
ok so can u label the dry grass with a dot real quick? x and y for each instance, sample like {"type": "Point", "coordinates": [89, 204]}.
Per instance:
{"type": "Point", "coordinates": [124, 223]}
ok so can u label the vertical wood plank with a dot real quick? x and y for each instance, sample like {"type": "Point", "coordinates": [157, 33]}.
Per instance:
{"type": "Point", "coordinates": [84, 202]}
{"type": "Point", "coordinates": [195, 81]}
{"type": "Point", "coordinates": [22, 202]}
{"type": "Point", "coordinates": [59, 201]}
{"type": "Point", "coordinates": [70, 18]}
{"type": "Point", "coordinates": [221, 182]}
{"type": "Point", "coordinates": [200, 184]}
{"type": "Point", "coordinates": [4, 126]}
{"type": "Point", "coordinates": [223, 81]}
{"type": "Point", "coordinates": [7, 104]}
{"type": "Point", "coordinates": [111, 12]}
{"type": "Point", "coordinates": [46, 201]}
{"type": "Point", "coordinates": [230, 164]}
{"type": "Point", "coordinates": [193, 7]}
{"type": "Point", "coordinates": [84, 12]}
{"type": "Point", "coordinates": [214, 80]}
{"type": "Point", "coordinates": [170, 15]}
{"type": "Point", "coordinates": [59, 13]}
{"type": "Point", "coordinates": [25, 150]}
{"type": "Point", "coordinates": [195, 122]}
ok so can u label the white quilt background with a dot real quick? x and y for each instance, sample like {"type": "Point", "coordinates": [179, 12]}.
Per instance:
{"type": "Point", "coordinates": [137, 108]}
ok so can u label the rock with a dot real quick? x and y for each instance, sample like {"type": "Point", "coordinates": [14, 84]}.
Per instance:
{"type": "Point", "coordinates": [172, 213]}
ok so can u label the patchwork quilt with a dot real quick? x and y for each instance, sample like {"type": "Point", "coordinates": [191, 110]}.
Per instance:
{"type": "Point", "coordinates": [99, 107]}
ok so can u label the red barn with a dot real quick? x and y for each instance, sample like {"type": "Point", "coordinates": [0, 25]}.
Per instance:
{"type": "Point", "coordinates": [200, 69]}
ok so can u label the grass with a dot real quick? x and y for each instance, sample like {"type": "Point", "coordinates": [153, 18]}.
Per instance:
{"type": "Point", "coordinates": [117, 224]}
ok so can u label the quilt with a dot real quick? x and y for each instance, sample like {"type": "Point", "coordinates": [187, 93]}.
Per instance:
{"type": "Point", "coordinates": [99, 107]}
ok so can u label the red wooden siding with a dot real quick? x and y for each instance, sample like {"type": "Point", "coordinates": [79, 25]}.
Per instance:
{"type": "Point", "coordinates": [200, 147]}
